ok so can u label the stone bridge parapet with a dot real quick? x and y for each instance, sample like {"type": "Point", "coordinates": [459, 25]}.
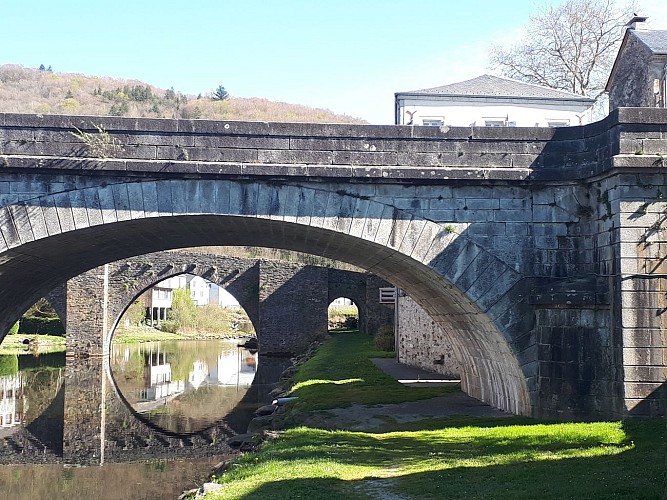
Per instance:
{"type": "Point", "coordinates": [374, 153]}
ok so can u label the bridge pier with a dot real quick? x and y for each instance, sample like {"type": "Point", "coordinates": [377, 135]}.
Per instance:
{"type": "Point", "coordinates": [293, 307]}
{"type": "Point", "coordinates": [87, 313]}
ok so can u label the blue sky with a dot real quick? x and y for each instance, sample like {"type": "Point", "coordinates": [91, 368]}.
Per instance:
{"type": "Point", "coordinates": [349, 56]}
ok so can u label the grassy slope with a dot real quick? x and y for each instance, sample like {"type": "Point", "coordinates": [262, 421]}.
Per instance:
{"type": "Point", "coordinates": [136, 334]}
{"type": "Point", "coordinates": [462, 458]}
{"type": "Point", "coordinates": [27, 90]}
{"type": "Point", "coordinates": [341, 374]}
{"type": "Point", "coordinates": [13, 344]}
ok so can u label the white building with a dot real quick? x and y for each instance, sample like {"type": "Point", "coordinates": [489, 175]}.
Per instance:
{"type": "Point", "coordinates": [199, 289]}
{"type": "Point", "coordinates": [12, 400]}
{"type": "Point", "coordinates": [161, 296]}
{"type": "Point", "coordinates": [492, 101]}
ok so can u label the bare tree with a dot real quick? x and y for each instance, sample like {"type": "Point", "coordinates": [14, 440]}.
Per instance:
{"type": "Point", "coordinates": [569, 46]}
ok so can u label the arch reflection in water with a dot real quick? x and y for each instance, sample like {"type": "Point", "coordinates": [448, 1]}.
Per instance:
{"type": "Point", "coordinates": [183, 387]}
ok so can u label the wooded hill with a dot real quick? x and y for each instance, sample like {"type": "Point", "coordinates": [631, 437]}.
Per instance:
{"type": "Point", "coordinates": [42, 91]}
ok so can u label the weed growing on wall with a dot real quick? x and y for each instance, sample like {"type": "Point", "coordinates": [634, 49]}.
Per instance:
{"type": "Point", "coordinates": [98, 144]}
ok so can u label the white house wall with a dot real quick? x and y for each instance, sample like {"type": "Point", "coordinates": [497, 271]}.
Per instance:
{"type": "Point", "coordinates": [464, 114]}
{"type": "Point", "coordinates": [199, 290]}
{"type": "Point", "coordinates": [161, 297]}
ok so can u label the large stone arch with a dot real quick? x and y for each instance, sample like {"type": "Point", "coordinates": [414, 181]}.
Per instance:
{"type": "Point", "coordinates": [467, 290]}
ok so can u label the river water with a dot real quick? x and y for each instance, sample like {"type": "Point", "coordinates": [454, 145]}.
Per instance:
{"type": "Point", "coordinates": [147, 422]}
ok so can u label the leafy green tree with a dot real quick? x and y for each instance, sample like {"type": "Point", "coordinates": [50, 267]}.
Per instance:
{"type": "Point", "coordinates": [138, 93]}
{"type": "Point", "coordinates": [220, 94]}
{"type": "Point", "coordinates": [119, 108]}
{"type": "Point", "coordinates": [14, 329]}
{"type": "Point", "coordinates": [42, 67]}
{"type": "Point", "coordinates": [183, 310]}
{"type": "Point", "coordinates": [9, 364]}
{"type": "Point", "coordinates": [136, 313]}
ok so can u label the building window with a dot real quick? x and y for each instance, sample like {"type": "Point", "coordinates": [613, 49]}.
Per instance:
{"type": "Point", "coordinates": [433, 122]}
{"type": "Point", "coordinates": [498, 122]}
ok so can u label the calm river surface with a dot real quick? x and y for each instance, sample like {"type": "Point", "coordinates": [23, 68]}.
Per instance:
{"type": "Point", "coordinates": [148, 422]}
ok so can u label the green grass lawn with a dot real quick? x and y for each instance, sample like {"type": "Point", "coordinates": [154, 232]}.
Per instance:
{"type": "Point", "coordinates": [13, 344]}
{"type": "Point", "coordinates": [341, 374]}
{"type": "Point", "coordinates": [457, 457]}
{"type": "Point", "coordinates": [136, 334]}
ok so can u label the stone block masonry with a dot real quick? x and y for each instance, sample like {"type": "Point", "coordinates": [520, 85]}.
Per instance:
{"type": "Point", "coordinates": [422, 343]}
{"type": "Point", "coordinates": [537, 252]}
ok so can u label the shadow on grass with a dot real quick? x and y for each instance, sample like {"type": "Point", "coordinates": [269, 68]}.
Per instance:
{"type": "Point", "coordinates": [587, 461]}
{"type": "Point", "coordinates": [623, 476]}
{"type": "Point", "coordinates": [616, 472]}
{"type": "Point", "coordinates": [382, 450]}
{"type": "Point", "coordinates": [637, 474]}
{"type": "Point", "coordinates": [457, 421]}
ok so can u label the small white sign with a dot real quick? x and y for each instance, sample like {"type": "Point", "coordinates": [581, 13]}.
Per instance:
{"type": "Point", "coordinates": [387, 295]}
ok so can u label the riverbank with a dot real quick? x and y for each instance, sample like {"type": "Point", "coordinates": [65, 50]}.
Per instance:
{"type": "Point", "coordinates": [136, 334]}
{"type": "Point", "coordinates": [457, 456]}
{"type": "Point", "coordinates": [20, 343]}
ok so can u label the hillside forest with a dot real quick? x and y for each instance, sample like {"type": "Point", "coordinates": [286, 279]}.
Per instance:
{"type": "Point", "coordinates": [43, 91]}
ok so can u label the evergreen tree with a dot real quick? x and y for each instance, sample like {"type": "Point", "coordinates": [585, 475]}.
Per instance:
{"type": "Point", "coordinates": [220, 94]}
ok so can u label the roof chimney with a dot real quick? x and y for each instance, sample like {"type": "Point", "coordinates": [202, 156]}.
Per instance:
{"type": "Point", "coordinates": [635, 22]}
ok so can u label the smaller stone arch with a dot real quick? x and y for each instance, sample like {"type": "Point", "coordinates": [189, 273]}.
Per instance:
{"type": "Point", "coordinates": [129, 279]}
{"type": "Point", "coordinates": [333, 305]}
{"type": "Point", "coordinates": [363, 289]}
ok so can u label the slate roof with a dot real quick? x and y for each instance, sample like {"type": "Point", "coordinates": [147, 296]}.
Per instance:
{"type": "Point", "coordinates": [655, 40]}
{"type": "Point", "coordinates": [495, 86]}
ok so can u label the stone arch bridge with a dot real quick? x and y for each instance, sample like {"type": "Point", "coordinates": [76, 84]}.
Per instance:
{"type": "Point", "coordinates": [538, 252]}
{"type": "Point", "coordinates": [286, 302]}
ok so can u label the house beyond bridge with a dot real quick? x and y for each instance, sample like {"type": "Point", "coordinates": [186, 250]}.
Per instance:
{"type": "Point", "coordinates": [538, 252]}
{"type": "Point", "coordinates": [492, 101]}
